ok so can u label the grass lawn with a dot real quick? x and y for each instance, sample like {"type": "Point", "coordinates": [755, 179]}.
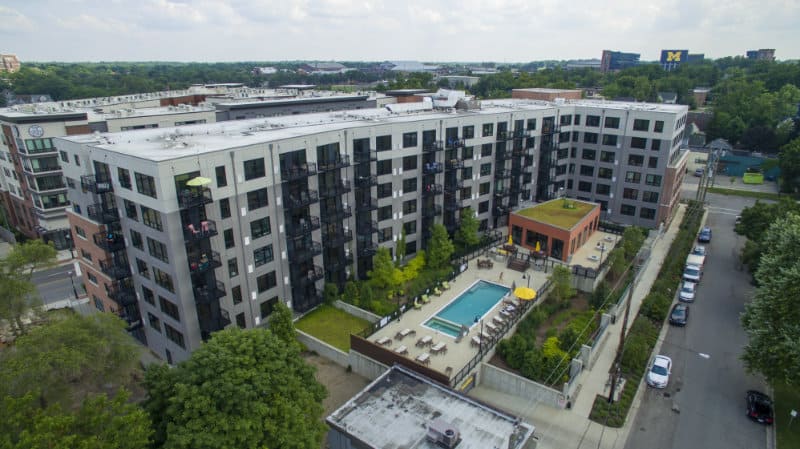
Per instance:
{"type": "Point", "coordinates": [786, 398]}
{"type": "Point", "coordinates": [554, 213]}
{"type": "Point", "coordinates": [331, 325]}
{"type": "Point", "coordinates": [746, 193]}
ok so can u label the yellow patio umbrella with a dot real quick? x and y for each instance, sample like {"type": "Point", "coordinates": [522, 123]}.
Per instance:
{"type": "Point", "coordinates": [525, 293]}
{"type": "Point", "coordinates": [510, 240]}
{"type": "Point", "coordinates": [198, 182]}
{"type": "Point", "coordinates": [538, 247]}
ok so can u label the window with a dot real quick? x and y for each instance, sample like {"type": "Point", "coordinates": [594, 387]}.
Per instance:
{"type": "Point", "coordinates": [561, 169]}
{"type": "Point", "coordinates": [653, 180]}
{"type": "Point", "coordinates": [148, 296]}
{"type": "Point", "coordinates": [627, 209]}
{"type": "Point", "coordinates": [564, 136]}
{"type": "Point", "coordinates": [633, 177]}
{"type": "Point", "coordinates": [385, 190]}
{"type": "Point", "coordinates": [163, 280]}
{"type": "Point", "coordinates": [409, 185]}
{"type": "Point", "coordinates": [647, 213]}
{"type": "Point", "coordinates": [236, 294]}
{"type": "Point", "coordinates": [267, 307]}
{"type": "Point", "coordinates": [602, 189]}
{"type": "Point", "coordinates": [79, 230]}
{"type": "Point", "coordinates": [467, 153]}
{"type": "Point", "coordinates": [584, 186]}
{"type": "Point", "coordinates": [63, 154]}
{"type": "Point", "coordinates": [486, 149]}
{"type": "Point", "coordinates": [609, 139]}
{"type": "Point", "coordinates": [157, 250]}
{"type": "Point", "coordinates": [612, 122]}
{"type": "Point", "coordinates": [607, 156]}
{"type": "Point", "coordinates": [174, 335]}
{"type": "Point", "coordinates": [222, 178]}
{"type": "Point", "coordinates": [466, 192]}
{"type": "Point", "coordinates": [588, 154]}
{"type": "Point", "coordinates": [575, 136]}
{"type": "Point", "coordinates": [411, 248]}
{"type": "Point", "coordinates": [577, 120]}
{"type": "Point", "coordinates": [229, 240]}
{"type": "Point", "coordinates": [130, 210]}
{"type": "Point", "coordinates": [225, 208]}
{"type": "Point", "coordinates": [155, 323]}
{"type": "Point", "coordinates": [260, 227]}
{"type": "Point", "coordinates": [486, 169]}
{"type": "Point", "coordinates": [593, 120]}
{"type": "Point", "coordinates": [124, 177]}
{"type": "Point", "coordinates": [659, 126]}
{"type": "Point", "coordinates": [257, 199]}
{"type": "Point", "coordinates": [483, 207]}
{"type": "Point", "coordinates": [92, 278]}
{"type": "Point", "coordinates": [466, 173]}
{"type": "Point", "coordinates": [641, 124]}
{"type": "Point", "coordinates": [566, 119]}
{"type": "Point", "coordinates": [136, 240]}
{"type": "Point", "coordinates": [77, 160]}
{"type": "Point", "coordinates": [86, 255]}
{"type": "Point", "coordinates": [531, 124]}
{"type": "Point", "coordinates": [146, 185]}
{"type": "Point", "coordinates": [409, 163]}
{"type": "Point", "coordinates": [484, 188]}
{"type": "Point", "coordinates": [383, 143]}
{"type": "Point", "coordinates": [409, 207]}
{"type": "Point", "coordinates": [263, 255]}
{"type": "Point", "coordinates": [605, 173]}
{"type": "Point", "coordinates": [468, 132]}
{"type": "Point", "coordinates": [233, 267]}
{"type": "Point", "coordinates": [649, 197]}
{"type": "Point", "coordinates": [563, 153]}
{"type": "Point", "coordinates": [266, 281]}
{"type": "Point", "coordinates": [635, 160]}
{"type": "Point", "coordinates": [590, 137]}
{"type": "Point", "coordinates": [151, 218]}
{"type": "Point", "coordinates": [409, 140]}
{"type": "Point", "coordinates": [638, 142]}
{"type": "Point", "coordinates": [385, 167]}
{"type": "Point", "coordinates": [385, 234]}
{"type": "Point", "coordinates": [385, 213]}
{"type": "Point", "coordinates": [488, 129]}
{"type": "Point", "coordinates": [169, 308]}
{"type": "Point", "coordinates": [587, 170]}
{"type": "Point", "coordinates": [652, 162]}
{"type": "Point", "coordinates": [240, 321]}
{"type": "Point", "coordinates": [655, 145]}
{"type": "Point", "coordinates": [630, 194]}
{"type": "Point", "coordinates": [141, 268]}
{"type": "Point", "coordinates": [410, 227]}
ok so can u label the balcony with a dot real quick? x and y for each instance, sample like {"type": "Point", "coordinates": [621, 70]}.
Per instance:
{"type": "Point", "coordinates": [431, 168]}
{"type": "Point", "coordinates": [205, 294]}
{"type": "Point", "coordinates": [298, 172]}
{"type": "Point", "coordinates": [103, 213]}
{"type": "Point", "coordinates": [453, 186]}
{"type": "Point", "coordinates": [109, 241]}
{"type": "Point", "coordinates": [455, 143]}
{"type": "Point", "coordinates": [368, 203]}
{"type": "Point", "coordinates": [338, 214]}
{"type": "Point", "coordinates": [551, 129]}
{"type": "Point", "coordinates": [521, 133]}
{"type": "Point", "coordinates": [502, 191]}
{"type": "Point", "coordinates": [504, 135]}
{"type": "Point", "coordinates": [436, 145]}
{"type": "Point", "coordinates": [194, 197]}
{"type": "Point", "coordinates": [366, 181]}
{"type": "Point", "coordinates": [366, 227]}
{"type": "Point", "coordinates": [299, 251]}
{"type": "Point", "coordinates": [339, 264]}
{"type": "Point", "coordinates": [503, 155]}
{"type": "Point", "coordinates": [122, 292]}
{"type": "Point", "coordinates": [303, 226]}
{"type": "Point", "coordinates": [116, 270]}
{"type": "Point", "coordinates": [45, 168]}
{"type": "Point", "coordinates": [337, 238]}
{"type": "Point", "coordinates": [312, 275]}
{"type": "Point", "coordinates": [303, 199]}
{"type": "Point", "coordinates": [205, 229]}
{"type": "Point", "coordinates": [364, 156]}
{"type": "Point", "coordinates": [340, 162]}
{"type": "Point", "coordinates": [500, 211]}
{"type": "Point", "coordinates": [452, 225]}
{"type": "Point", "coordinates": [432, 189]}
{"type": "Point", "coordinates": [201, 263]}
{"type": "Point", "coordinates": [334, 190]}
{"type": "Point", "coordinates": [367, 248]}
{"type": "Point", "coordinates": [432, 211]}
{"type": "Point", "coordinates": [96, 183]}
{"type": "Point", "coordinates": [453, 205]}
{"type": "Point", "coordinates": [455, 164]}
{"type": "Point", "coordinates": [502, 174]}
{"type": "Point", "coordinates": [525, 194]}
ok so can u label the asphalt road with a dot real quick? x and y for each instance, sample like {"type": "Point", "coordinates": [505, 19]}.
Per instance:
{"type": "Point", "coordinates": [704, 406]}
{"type": "Point", "coordinates": [54, 284]}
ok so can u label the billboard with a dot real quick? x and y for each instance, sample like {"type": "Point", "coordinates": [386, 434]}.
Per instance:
{"type": "Point", "coordinates": [673, 56]}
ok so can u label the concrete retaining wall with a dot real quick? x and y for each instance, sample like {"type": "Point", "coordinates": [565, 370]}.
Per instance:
{"type": "Point", "coordinates": [509, 383]}
{"type": "Point", "coordinates": [365, 366]}
{"type": "Point", "coordinates": [323, 349]}
{"type": "Point", "coordinates": [355, 311]}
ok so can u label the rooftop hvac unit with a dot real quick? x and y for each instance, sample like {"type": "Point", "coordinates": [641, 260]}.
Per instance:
{"type": "Point", "coordinates": [442, 433]}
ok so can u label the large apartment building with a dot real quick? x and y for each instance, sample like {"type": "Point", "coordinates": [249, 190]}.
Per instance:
{"type": "Point", "coordinates": [184, 231]}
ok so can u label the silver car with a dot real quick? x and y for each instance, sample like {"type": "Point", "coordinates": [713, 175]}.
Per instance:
{"type": "Point", "coordinates": [687, 291]}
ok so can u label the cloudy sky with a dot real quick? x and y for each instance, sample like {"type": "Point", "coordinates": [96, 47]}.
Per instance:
{"type": "Point", "coordinates": [427, 30]}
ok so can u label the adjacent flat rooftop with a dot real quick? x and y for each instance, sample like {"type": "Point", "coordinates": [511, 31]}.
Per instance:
{"type": "Point", "coordinates": [561, 213]}
{"type": "Point", "coordinates": [395, 410]}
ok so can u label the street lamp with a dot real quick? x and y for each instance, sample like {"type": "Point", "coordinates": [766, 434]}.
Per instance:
{"type": "Point", "coordinates": [480, 336]}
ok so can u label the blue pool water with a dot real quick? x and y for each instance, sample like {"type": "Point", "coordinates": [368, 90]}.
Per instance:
{"type": "Point", "coordinates": [474, 302]}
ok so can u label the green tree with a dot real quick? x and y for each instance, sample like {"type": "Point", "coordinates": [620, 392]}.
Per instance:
{"type": "Point", "coordinates": [772, 319]}
{"type": "Point", "coordinates": [330, 292]}
{"type": "Point", "coordinates": [562, 284]}
{"type": "Point", "coordinates": [467, 234]}
{"type": "Point", "coordinates": [789, 162]}
{"type": "Point", "coordinates": [21, 298]}
{"type": "Point", "coordinates": [414, 266]}
{"type": "Point", "coordinates": [599, 295]}
{"type": "Point", "coordinates": [281, 324]}
{"type": "Point", "coordinates": [632, 240]}
{"type": "Point", "coordinates": [440, 248]}
{"type": "Point", "coordinates": [384, 274]}
{"type": "Point", "coordinates": [243, 388]}
{"type": "Point", "coordinates": [616, 262]}
{"type": "Point", "coordinates": [351, 293]}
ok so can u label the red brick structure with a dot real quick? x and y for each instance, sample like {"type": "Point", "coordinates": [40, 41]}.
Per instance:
{"type": "Point", "coordinates": [543, 94]}
{"type": "Point", "coordinates": [535, 224]}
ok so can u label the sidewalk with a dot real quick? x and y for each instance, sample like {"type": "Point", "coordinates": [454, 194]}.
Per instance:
{"type": "Point", "coordinates": [571, 428]}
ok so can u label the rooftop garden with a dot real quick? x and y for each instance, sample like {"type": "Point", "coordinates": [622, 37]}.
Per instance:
{"type": "Point", "coordinates": [563, 213]}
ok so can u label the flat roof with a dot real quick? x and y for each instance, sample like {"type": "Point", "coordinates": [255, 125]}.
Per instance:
{"type": "Point", "coordinates": [563, 213]}
{"type": "Point", "coordinates": [394, 411]}
{"type": "Point", "coordinates": [546, 90]}
{"type": "Point", "coordinates": [301, 100]}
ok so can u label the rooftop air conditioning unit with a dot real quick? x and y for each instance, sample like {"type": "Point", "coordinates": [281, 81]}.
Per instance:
{"type": "Point", "coordinates": [442, 433]}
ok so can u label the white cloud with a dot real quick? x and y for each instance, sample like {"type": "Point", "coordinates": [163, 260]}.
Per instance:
{"type": "Point", "coordinates": [13, 21]}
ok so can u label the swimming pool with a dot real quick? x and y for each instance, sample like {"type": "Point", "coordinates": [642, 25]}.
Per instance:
{"type": "Point", "coordinates": [474, 302]}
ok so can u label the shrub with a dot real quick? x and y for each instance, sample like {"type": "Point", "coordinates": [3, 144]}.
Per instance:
{"type": "Point", "coordinates": [655, 306]}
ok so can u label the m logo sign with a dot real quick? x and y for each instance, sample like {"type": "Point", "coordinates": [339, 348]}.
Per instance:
{"type": "Point", "coordinates": [674, 56]}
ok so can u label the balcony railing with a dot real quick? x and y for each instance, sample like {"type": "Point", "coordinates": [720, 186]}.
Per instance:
{"type": "Point", "coordinates": [453, 204]}
{"type": "Point", "coordinates": [366, 227]}
{"type": "Point", "coordinates": [436, 145]}
{"type": "Point", "coordinates": [299, 172]}
{"type": "Point", "coordinates": [115, 269]}
{"type": "Point", "coordinates": [340, 162]}
{"type": "Point", "coordinates": [432, 211]}
{"type": "Point", "coordinates": [334, 190]}
{"type": "Point", "coordinates": [503, 191]}
{"type": "Point", "coordinates": [298, 252]}
{"type": "Point", "coordinates": [455, 143]}
{"type": "Point", "coordinates": [203, 230]}
{"type": "Point", "coordinates": [525, 194]}
{"type": "Point", "coordinates": [455, 164]}
{"type": "Point", "coordinates": [122, 292]}
{"type": "Point", "coordinates": [109, 241]}
{"type": "Point", "coordinates": [303, 226]}
{"type": "Point", "coordinates": [337, 238]}
{"type": "Point", "coordinates": [362, 156]}
{"type": "Point", "coordinates": [194, 197]}
{"type": "Point", "coordinates": [500, 211]}
{"type": "Point", "coordinates": [338, 214]}
{"type": "Point", "coordinates": [520, 133]}
{"type": "Point", "coordinates": [102, 213]}
{"type": "Point", "coordinates": [432, 189]}
{"type": "Point", "coordinates": [503, 155]}
{"type": "Point", "coordinates": [303, 199]}
{"type": "Point", "coordinates": [201, 263]}
{"type": "Point", "coordinates": [431, 168]}
{"type": "Point", "coordinates": [367, 249]}
{"type": "Point", "coordinates": [308, 276]}
{"type": "Point", "coordinates": [366, 181]}
{"type": "Point", "coordinates": [205, 294]}
{"type": "Point", "coordinates": [551, 129]}
{"type": "Point", "coordinates": [453, 186]}
{"type": "Point", "coordinates": [502, 174]}
{"type": "Point", "coordinates": [504, 135]}
{"type": "Point", "coordinates": [368, 203]}
{"type": "Point", "coordinates": [452, 225]}
{"type": "Point", "coordinates": [339, 264]}
{"type": "Point", "coordinates": [96, 183]}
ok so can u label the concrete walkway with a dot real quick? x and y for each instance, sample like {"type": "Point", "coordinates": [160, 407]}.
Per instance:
{"type": "Point", "coordinates": [571, 428]}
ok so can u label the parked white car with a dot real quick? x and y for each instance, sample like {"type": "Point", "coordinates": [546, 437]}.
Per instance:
{"type": "Point", "coordinates": [658, 375]}
{"type": "Point", "coordinates": [687, 291]}
{"type": "Point", "coordinates": [692, 273]}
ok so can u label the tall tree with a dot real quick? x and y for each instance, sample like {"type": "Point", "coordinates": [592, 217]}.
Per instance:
{"type": "Point", "coordinates": [440, 248]}
{"type": "Point", "coordinates": [772, 319]}
{"type": "Point", "coordinates": [467, 234]}
{"type": "Point", "coordinates": [21, 298]}
{"type": "Point", "coordinates": [632, 240]}
{"type": "Point", "coordinates": [789, 161]}
{"type": "Point", "coordinates": [243, 388]}
{"type": "Point", "coordinates": [562, 284]}
{"type": "Point", "coordinates": [281, 324]}
{"type": "Point", "coordinates": [384, 273]}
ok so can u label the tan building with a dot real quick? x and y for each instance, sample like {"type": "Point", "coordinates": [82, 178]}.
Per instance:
{"type": "Point", "coordinates": [9, 63]}
{"type": "Point", "coordinates": [544, 94]}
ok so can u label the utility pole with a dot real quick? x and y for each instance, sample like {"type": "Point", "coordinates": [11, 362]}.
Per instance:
{"type": "Point", "coordinates": [616, 366]}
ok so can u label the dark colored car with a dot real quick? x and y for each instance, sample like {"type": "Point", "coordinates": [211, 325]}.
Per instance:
{"type": "Point", "coordinates": [759, 407]}
{"type": "Point", "coordinates": [679, 315]}
{"type": "Point", "coordinates": [705, 235]}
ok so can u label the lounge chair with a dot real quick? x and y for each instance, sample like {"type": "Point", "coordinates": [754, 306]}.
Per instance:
{"type": "Point", "coordinates": [437, 292]}
{"type": "Point", "coordinates": [445, 285]}
{"type": "Point", "coordinates": [426, 299]}
{"type": "Point", "coordinates": [417, 305]}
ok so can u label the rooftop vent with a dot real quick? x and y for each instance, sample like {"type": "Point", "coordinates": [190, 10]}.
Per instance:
{"type": "Point", "coordinates": [443, 433]}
